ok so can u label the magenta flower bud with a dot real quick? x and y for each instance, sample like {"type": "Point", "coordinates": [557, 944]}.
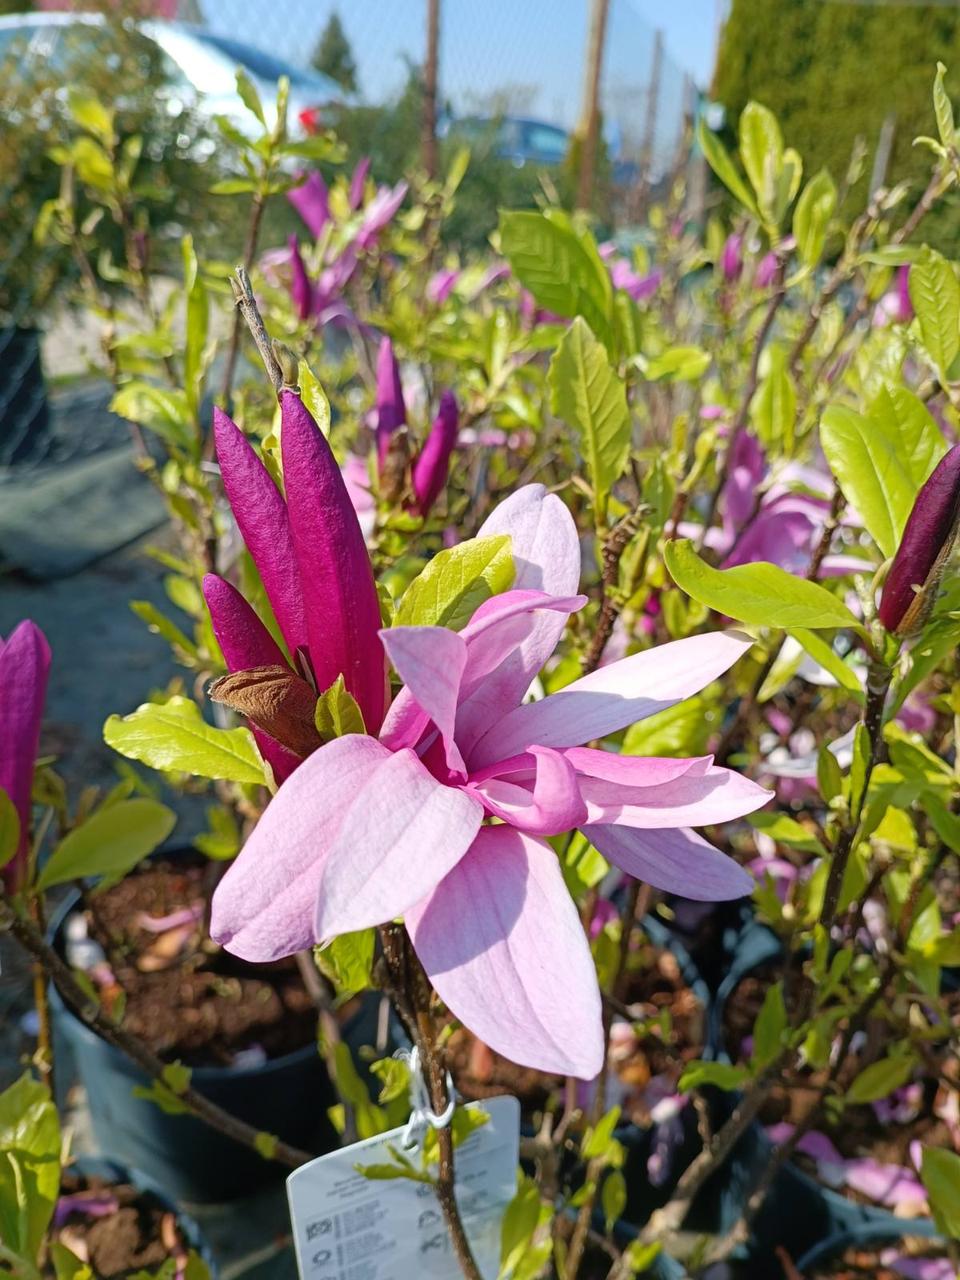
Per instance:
{"type": "Point", "coordinates": [312, 202]}
{"type": "Point", "coordinates": [301, 291]}
{"type": "Point", "coordinates": [391, 411]}
{"type": "Point", "coordinates": [731, 259]}
{"type": "Point", "coordinates": [24, 668]}
{"type": "Point", "coordinates": [766, 271]}
{"type": "Point", "coordinates": [904, 304]}
{"type": "Point", "coordinates": [927, 540]}
{"type": "Point", "coordinates": [433, 465]}
{"type": "Point", "coordinates": [358, 182]}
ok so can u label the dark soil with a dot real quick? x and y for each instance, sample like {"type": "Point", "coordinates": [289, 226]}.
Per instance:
{"type": "Point", "coordinates": [180, 992]}
{"type": "Point", "coordinates": [478, 1072]}
{"type": "Point", "coordinates": [141, 1233]}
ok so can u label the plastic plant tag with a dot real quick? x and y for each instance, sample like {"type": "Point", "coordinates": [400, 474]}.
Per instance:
{"type": "Point", "coordinates": [350, 1227]}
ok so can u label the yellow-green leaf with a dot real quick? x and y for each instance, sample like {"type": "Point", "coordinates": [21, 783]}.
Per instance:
{"type": "Point", "coordinates": [110, 843]}
{"type": "Point", "coordinates": [173, 736]}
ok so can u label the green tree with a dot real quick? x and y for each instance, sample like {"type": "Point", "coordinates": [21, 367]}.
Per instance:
{"type": "Point", "coordinates": [833, 72]}
{"type": "Point", "coordinates": [333, 55]}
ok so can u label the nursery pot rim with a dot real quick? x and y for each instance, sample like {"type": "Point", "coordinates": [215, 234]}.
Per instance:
{"type": "Point", "coordinates": [869, 1233]}
{"type": "Point", "coordinates": [197, 1074]}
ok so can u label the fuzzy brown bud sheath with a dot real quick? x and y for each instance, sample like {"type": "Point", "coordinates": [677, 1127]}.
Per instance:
{"type": "Point", "coordinates": [926, 544]}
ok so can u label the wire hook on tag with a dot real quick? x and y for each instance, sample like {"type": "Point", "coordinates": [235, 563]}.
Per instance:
{"type": "Point", "coordinates": [420, 1113]}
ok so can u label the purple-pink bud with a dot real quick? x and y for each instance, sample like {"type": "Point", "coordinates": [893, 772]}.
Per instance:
{"type": "Point", "coordinates": [301, 291]}
{"type": "Point", "coordinates": [391, 411]}
{"type": "Point", "coordinates": [766, 270]}
{"type": "Point", "coordinates": [731, 259]}
{"type": "Point", "coordinates": [433, 464]}
{"type": "Point", "coordinates": [927, 540]}
{"type": "Point", "coordinates": [311, 201]}
{"type": "Point", "coordinates": [24, 669]}
{"type": "Point", "coordinates": [358, 182]}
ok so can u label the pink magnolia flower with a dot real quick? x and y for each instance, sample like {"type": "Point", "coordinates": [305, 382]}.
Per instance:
{"type": "Point", "coordinates": [731, 259]}
{"type": "Point", "coordinates": [369, 829]}
{"type": "Point", "coordinates": [895, 307]}
{"type": "Point", "coordinates": [24, 670]}
{"type": "Point", "coordinates": [441, 284]}
{"type": "Point", "coordinates": [379, 213]}
{"type": "Point", "coordinates": [313, 562]}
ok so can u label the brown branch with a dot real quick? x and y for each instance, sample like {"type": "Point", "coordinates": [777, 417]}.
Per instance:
{"type": "Point", "coordinates": [88, 1011]}
{"type": "Point", "coordinates": [249, 253]}
{"type": "Point", "coordinates": [613, 549]}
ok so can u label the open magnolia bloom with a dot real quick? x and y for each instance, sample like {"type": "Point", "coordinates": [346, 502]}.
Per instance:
{"type": "Point", "coordinates": [442, 818]}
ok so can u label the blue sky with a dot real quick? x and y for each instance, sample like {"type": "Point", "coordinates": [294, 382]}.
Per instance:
{"type": "Point", "coordinates": [487, 44]}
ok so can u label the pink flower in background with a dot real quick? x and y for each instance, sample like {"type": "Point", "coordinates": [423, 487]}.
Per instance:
{"type": "Point", "coordinates": [441, 284]}
{"type": "Point", "coordinates": [369, 829]}
{"type": "Point", "coordinates": [356, 477]}
{"type": "Point", "coordinates": [312, 559]}
{"type": "Point", "coordinates": [301, 290]}
{"type": "Point", "coordinates": [895, 307]}
{"type": "Point", "coordinates": [638, 287]}
{"type": "Point", "coordinates": [379, 213]}
{"type": "Point", "coordinates": [766, 271]}
{"type": "Point", "coordinates": [24, 671]}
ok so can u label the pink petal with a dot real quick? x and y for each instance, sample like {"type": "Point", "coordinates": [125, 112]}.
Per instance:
{"type": "Point", "coordinates": [430, 661]}
{"type": "Point", "coordinates": [358, 181]}
{"type": "Point", "coordinates": [310, 200]}
{"type": "Point", "coordinates": [247, 643]}
{"type": "Point", "coordinates": [262, 517]}
{"type": "Point", "coordinates": [633, 771]}
{"type": "Point", "coordinates": [391, 410]}
{"type": "Point", "coordinates": [674, 860]}
{"type": "Point", "coordinates": [339, 595]}
{"type": "Point", "coordinates": [546, 549]}
{"type": "Point", "coordinates": [550, 807]}
{"type": "Point", "coordinates": [699, 798]}
{"type": "Point", "coordinates": [614, 696]}
{"type": "Point", "coordinates": [401, 834]}
{"type": "Point", "coordinates": [264, 906]}
{"type": "Point", "coordinates": [888, 1184]}
{"type": "Point", "coordinates": [432, 465]}
{"type": "Point", "coordinates": [24, 670]}
{"type": "Point", "coordinates": [502, 943]}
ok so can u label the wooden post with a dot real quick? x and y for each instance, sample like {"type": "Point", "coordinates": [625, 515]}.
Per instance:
{"type": "Point", "coordinates": [429, 128]}
{"type": "Point", "coordinates": [649, 126]}
{"type": "Point", "coordinates": [590, 118]}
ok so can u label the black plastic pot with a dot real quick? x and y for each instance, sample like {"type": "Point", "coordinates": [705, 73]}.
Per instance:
{"type": "Point", "coordinates": [111, 1171]}
{"type": "Point", "coordinates": [287, 1097]}
{"type": "Point", "coordinates": [887, 1232]}
{"type": "Point", "coordinates": [24, 411]}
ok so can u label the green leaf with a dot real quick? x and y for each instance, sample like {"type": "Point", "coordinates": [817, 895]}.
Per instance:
{"type": "Point", "coordinates": [167, 413]}
{"type": "Point", "coordinates": [786, 830]}
{"type": "Point", "coordinates": [265, 1144]}
{"type": "Point", "coordinates": [773, 409]}
{"type": "Point", "coordinates": [173, 736]}
{"type": "Point", "coordinates": [337, 712]}
{"type": "Point", "coordinates": [761, 594]}
{"type": "Point", "coordinates": [520, 1220]}
{"type": "Point", "coordinates": [769, 1027]}
{"type": "Point", "coordinates": [110, 843]}
{"type": "Point", "coordinates": [314, 397]}
{"type": "Point", "coordinates": [249, 96]}
{"type": "Point", "coordinates": [347, 962]}
{"type": "Point", "coordinates": [221, 841]}
{"type": "Point", "coordinates": [682, 730]}
{"type": "Point", "coordinates": [29, 1165]}
{"type": "Point", "coordinates": [91, 115]}
{"type": "Point", "coordinates": [910, 429]}
{"type": "Point", "coordinates": [9, 828]}
{"type": "Point", "coordinates": [871, 473]}
{"type": "Point", "coordinates": [197, 324]}
{"type": "Point", "coordinates": [67, 1265]}
{"type": "Point", "coordinates": [811, 217]}
{"type": "Point", "coordinates": [678, 364]}
{"type": "Point", "coordinates": [761, 150]}
{"type": "Point", "coordinates": [829, 775]}
{"type": "Point", "coordinates": [597, 1140]}
{"type": "Point", "coordinates": [859, 765]}
{"type": "Point", "coordinates": [823, 654]}
{"type": "Point", "coordinates": [935, 294]}
{"type": "Point", "coordinates": [723, 1074]}
{"type": "Point", "coordinates": [549, 259]}
{"type": "Point", "coordinates": [940, 1174]}
{"type": "Point", "coordinates": [613, 1197]}
{"type": "Point", "coordinates": [881, 1078]}
{"type": "Point", "coordinates": [943, 109]}
{"type": "Point", "coordinates": [233, 187]}
{"type": "Point", "coordinates": [456, 582]}
{"type": "Point", "coordinates": [722, 165]}
{"type": "Point", "coordinates": [641, 1257]}
{"type": "Point", "coordinates": [586, 392]}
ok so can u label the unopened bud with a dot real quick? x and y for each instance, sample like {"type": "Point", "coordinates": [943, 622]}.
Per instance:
{"type": "Point", "coordinates": [289, 365]}
{"type": "Point", "coordinates": [925, 547]}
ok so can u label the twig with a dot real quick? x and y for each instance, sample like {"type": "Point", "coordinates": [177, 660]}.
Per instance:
{"type": "Point", "coordinates": [249, 311]}
{"type": "Point", "coordinates": [88, 1011]}
{"type": "Point", "coordinates": [249, 253]}
{"type": "Point", "coordinates": [613, 549]}
{"type": "Point", "coordinates": [329, 1036]}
